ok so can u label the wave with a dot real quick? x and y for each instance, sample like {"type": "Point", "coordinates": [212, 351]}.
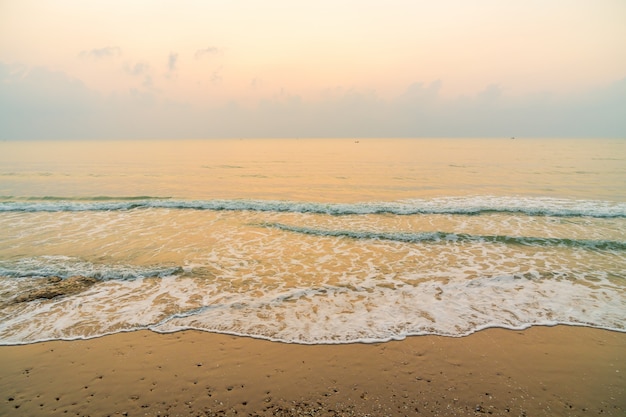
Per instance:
{"type": "Point", "coordinates": [436, 237]}
{"type": "Point", "coordinates": [98, 198]}
{"type": "Point", "coordinates": [10, 198]}
{"type": "Point", "coordinates": [473, 205]}
{"type": "Point", "coordinates": [67, 266]}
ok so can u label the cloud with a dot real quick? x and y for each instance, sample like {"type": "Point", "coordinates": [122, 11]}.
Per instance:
{"type": "Point", "coordinates": [491, 93]}
{"type": "Point", "coordinates": [172, 61]}
{"type": "Point", "coordinates": [211, 50]}
{"type": "Point", "coordinates": [147, 81]}
{"type": "Point", "coordinates": [38, 103]}
{"type": "Point", "coordinates": [98, 53]}
{"type": "Point", "coordinates": [419, 93]}
{"type": "Point", "coordinates": [140, 68]}
{"type": "Point", "coordinates": [216, 76]}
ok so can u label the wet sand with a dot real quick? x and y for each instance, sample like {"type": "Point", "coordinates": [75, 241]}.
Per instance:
{"type": "Point", "coordinates": [543, 371]}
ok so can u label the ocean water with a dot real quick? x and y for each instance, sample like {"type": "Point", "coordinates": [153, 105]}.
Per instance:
{"type": "Point", "coordinates": [311, 240]}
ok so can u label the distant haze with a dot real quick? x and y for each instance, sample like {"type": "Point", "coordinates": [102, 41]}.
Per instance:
{"type": "Point", "coordinates": [72, 69]}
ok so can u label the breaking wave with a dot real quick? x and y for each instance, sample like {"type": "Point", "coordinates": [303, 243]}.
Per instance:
{"type": "Point", "coordinates": [67, 266]}
{"type": "Point", "coordinates": [473, 205]}
{"type": "Point", "coordinates": [408, 237]}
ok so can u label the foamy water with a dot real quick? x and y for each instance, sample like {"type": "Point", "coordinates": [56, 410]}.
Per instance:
{"type": "Point", "coordinates": [314, 241]}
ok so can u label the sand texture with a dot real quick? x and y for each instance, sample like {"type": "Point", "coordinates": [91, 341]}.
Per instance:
{"type": "Point", "coordinates": [543, 371]}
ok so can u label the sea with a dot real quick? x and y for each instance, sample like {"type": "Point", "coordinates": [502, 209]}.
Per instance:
{"type": "Point", "coordinates": [310, 241]}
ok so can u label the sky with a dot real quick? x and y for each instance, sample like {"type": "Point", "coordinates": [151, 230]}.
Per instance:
{"type": "Point", "coordinates": [75, 69]}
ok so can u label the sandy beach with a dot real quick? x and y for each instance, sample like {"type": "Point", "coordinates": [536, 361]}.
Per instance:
{"type": "Point", "coordinates": [543, 371]}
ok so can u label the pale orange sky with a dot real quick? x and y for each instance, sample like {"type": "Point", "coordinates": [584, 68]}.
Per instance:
{"type": "Point", "coordinates": [208, 56]}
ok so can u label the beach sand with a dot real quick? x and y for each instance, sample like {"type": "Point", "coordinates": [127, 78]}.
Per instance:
{"type": "Point", "coordinates": [542, 371]}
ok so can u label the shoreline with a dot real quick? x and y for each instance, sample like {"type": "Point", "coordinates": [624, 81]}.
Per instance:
{"type": "Point", "coordinates": [298, 343]}
{"type": "Point", "coordinates": [551, 371]}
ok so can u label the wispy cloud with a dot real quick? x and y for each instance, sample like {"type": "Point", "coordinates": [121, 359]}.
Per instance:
{"type": "Point", "coordinates": [216, 76]}
{"type": "Point", "coordinates": [211, 50]}
{"type": "Point", "coordinates": [104, 52]}
{"type": "Point", "coordinates": [172, 61]}
{"type": "Point", "coordinates": [140, 68]}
